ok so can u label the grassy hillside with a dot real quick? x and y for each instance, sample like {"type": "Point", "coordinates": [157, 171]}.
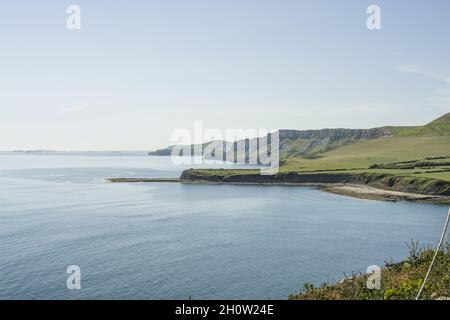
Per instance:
{"type": "Point", "coordinates": [399, 281]}
{"type": "Point", "coordinates": [364, 156]}
{"type": "Point", "coordinates": [440, 126]}
{"type": "Point", "coordinates": [311, 143]}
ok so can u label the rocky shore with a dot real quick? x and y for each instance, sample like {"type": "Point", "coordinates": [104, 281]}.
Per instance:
{"type": "Point", "coordinates": [366, 186]}
{"type": "Point", "coordinates": [370, 193]}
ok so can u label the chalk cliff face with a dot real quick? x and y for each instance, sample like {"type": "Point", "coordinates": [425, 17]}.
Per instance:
{"type": "Point", "coordinates": [311, 142]}
{"type": "Point", "coordinates": [335, 134]}
{"type": "Point", "coordinates": [306, 143]}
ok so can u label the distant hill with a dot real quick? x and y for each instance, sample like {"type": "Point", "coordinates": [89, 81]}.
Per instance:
{"type": "Point", "coordinates": [311, 143]}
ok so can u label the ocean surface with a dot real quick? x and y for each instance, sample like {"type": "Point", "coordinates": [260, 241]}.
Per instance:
{"type": "Point", "coordinates": [173, 241]}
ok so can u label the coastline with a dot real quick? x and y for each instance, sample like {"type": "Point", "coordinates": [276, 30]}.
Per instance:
{"type": "Point", "coordinates": [371, 193]}
{"type": "Point", "coordinates": [359, 191]}
{"type": "Point", "coordinates": [372, 186]}
{"type": "Point", "coordinates": [350, 190]}
{"type": "Point", "coordinates": [137, 180]}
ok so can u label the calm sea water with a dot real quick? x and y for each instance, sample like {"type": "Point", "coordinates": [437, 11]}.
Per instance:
{"type": "Point", "coordinates": [172, 241]}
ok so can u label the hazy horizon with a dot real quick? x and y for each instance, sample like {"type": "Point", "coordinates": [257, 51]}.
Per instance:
{"type": "Point", "coordinates": [147, 150]}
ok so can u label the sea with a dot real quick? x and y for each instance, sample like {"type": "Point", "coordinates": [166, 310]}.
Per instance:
{"type": "Point", "coordinates": [177, 241]}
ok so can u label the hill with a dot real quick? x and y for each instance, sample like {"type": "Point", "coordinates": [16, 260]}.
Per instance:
{"type": "Point", "coordinates": [440, 126]}
{"type": "Point", "coordinates": [311, 143]}
{"type": "Point", "coordinates": [304, 143]}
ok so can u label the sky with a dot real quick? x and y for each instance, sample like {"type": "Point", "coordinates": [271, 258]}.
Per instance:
{"type": "Point", "coordinates": [138, 70]}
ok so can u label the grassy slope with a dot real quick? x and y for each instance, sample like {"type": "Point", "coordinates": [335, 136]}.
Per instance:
{"type": "Point", "coordinates": [440, 126]}
{"type": "Point", "coordinates": [362, 155]}
{"type": "Point", "coordinates": [399, 281]}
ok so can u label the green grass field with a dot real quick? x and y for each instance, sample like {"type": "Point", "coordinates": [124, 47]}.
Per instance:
{"type": "Point", "coordinates": [359, 157]}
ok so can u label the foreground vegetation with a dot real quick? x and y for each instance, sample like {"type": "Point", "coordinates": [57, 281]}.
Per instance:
{"type": "Point", "coordinates": [399, 281]}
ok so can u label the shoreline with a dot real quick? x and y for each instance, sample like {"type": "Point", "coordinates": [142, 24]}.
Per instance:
{"type": "Point", "coordinates": [142, 180]}
{"type": "Point", "coordinates": [359, 191]}
{"type": "Point", "coordinates": [371, 193]}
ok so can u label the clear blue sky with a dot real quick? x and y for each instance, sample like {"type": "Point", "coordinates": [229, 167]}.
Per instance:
{"type": "Point", "coordinates": [137, 70]}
